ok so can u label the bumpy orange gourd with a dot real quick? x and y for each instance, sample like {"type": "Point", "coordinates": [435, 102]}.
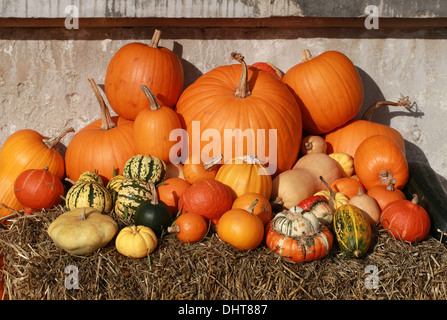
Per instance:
{"type": "Point", "coordinates": [348, 137]}
{"type": "Point", "coordinates": [153, 127]}
{"type": "Point", "coordinates": [38, 189]}
{"type": "Point", "coordinates": [103, 146]}
{"type": "Point", "coordinates": [23, 150]}
{"type": "Point", "coordinates": [233, 98]}
{"type": "Point", "coordinates": [136, 64]}
{"type": "Point", "coordinates": [379, 159]}
{"type": "Point", "coordinates": [328, 89]}
{"type": "Point", "coordinates": [209, 198]}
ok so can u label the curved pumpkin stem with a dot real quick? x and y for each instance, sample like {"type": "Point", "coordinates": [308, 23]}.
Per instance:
{"type": "Point", "coordinates": [390, 186]}
{"type": "Point", "coordinates": [403, 102]}
{"type": "Point", "coordinates": [155, 39]}
{"type": "Point", "coordinates": [51, 143]}
{"type": "Point", "coordinates": [331, 192]}
{"type": "Point", "coordinates": [242, 90]}
{"type": "Point", "coordinates": [214, 161]}
{"type": "Point", "coordinates": [306, 55]}
{"type": "Point", "coordinates": [251, 208]}
{"type": "Point", "coordinates": [151, 97]}
{"type": "Point", "coordinates": [154, 193]}
{"type": "Point", "coordinates": [107, 122]}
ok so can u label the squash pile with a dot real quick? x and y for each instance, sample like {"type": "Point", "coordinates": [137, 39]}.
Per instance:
{"type": "Point", "coordinates": [332, 180]}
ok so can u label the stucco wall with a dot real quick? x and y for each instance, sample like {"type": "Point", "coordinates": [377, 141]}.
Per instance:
{"type": "Point", "coordinates": [44, 70]}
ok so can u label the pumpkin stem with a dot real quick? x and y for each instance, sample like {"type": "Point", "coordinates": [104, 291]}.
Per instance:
{"type": "Point", "coordinates": [151, 97]}
{"type": "Point", "coordinates": [174, 229]}
{"type": "Point", "coordinates": [154, 193]}
{"type": "Point", "coordinates": [390, 186]}
{"type": "Point", "coordinates": [107, 122]}
{"type": "Point", "coordinates": [211, 163]}
{"type": "Point", "coordinates": [51, 143]}
{"type": "Point", "coordinates": [385, 176]}
{"type": "Point", "coordinates": [252, 206]}
{"type": "Point", "coordinates": [242, 90]}
{"type": "Point", "coordinates": [331, 192]}
{"type": "Point", "coordinates": [306, 55]}
{"type": "Point", "coordinates": [415, 199]}
{"type": "Point", "coordinates": [155, 39]}
{"type": "Point", "coordinates": [82, 215]}
{"type": "Point", "coordinates": [402, 102]}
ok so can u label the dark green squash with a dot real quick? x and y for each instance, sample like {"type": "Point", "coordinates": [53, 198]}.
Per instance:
{"type": "Point", "coordinates": [425, 182]}
{"type": "Point", "coordinates": [153, 214]}
{"type": "Point", "coordinates": [352, 230]}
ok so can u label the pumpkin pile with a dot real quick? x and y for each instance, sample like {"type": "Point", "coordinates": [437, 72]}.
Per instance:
{"type": "Point", "coordinates": [332, 180]}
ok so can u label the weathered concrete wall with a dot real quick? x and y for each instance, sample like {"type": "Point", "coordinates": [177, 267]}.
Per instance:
{"type": "Point", "coordinates": [44, 71]}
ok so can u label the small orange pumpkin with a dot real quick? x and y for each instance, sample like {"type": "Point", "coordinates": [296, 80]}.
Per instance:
{"type": "Point", "coordinates": [384, 194]}
{"type": "Point", "coordinates": [194, 172]}
{"type": "Point", "coordinates": [190, 227]}
{"type": "Point", "coordinates": [241, 228]}
{"type": "Point", "coordinates": [348, 186]}
{"type": "Point", "coordinates": [170, 191]}
{"type": "Point", "coordinates": [262, 209]}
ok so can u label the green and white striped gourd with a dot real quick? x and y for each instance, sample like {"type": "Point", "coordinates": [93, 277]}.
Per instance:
{"type": "Point", "coordinates": [146, 168]}
{"type": "Point", "coordinates": [89, 176]}
{"type": "Point", "coordinates": [131, 193]}
{"type": "Point", "coordinates": [88, 194]}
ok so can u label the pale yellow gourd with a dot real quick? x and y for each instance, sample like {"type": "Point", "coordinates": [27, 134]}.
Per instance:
{"type": "Point", "coordinates": [82, 231]}
{"type": "Point", "coordinates": [368, 205]}
{"type": "Point", "coordinates": [136, 241]}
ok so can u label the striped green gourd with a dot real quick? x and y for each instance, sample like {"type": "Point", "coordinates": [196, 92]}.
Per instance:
{"type": "Point", "coordinates": [88, 194]}
{"type": "Point", "coordinates": [89, 176]}
{"type": "Point", "coordinates": [131, 193]}
{"type": "Point", "coordinates": [114, 184]}
{"type": "Point", "coordinates": [146, 168]}
{"type": "Point", "coordinates": [353, 231]}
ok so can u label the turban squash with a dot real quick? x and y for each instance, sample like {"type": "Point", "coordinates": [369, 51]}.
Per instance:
{"type": "Point", "coordinates": [240, 97]}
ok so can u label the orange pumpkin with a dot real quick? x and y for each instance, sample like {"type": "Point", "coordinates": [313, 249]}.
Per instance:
{"type": "Point", "coordinates": [348, 137]}
{"type": "Point", "coordinates": [103, 146]}
{"type": "Point", "coordinates": [406, 220]}
{"type": "Point", "coordinates": [244, 176]}
{"type": "Point", "coordinates": [328, 89]}
{"type": "Point", "coordinates": [348, 186]}
{"type": "Point", "coordinates": [262, 209]}
{"type": "Point", "coordinates": [170, 191]}
{"type": "Point", "coordinates": [236, 101]}
{"type": "Point", "coordinates": [241, 228]}
{"type": "Point", "coordinates": [190, 227]}
{"type": "Point", "coordinates": [385, 194]}
{"type": "Point", "coordinates": [209, 198]}
{"type": "Point", "coordinates": [379, 159]}
{"type": "Point", "coordinates": [38, 189]}
{"type": "Point", "coordinates": [270, 68]}
{"type": "Point", "coordinates": [23, 150]}
{"type": "Point", "coordinates": [136, 64]}
{"type": "Point", "coordinates": [152, 128]}
{"type": "Point", "coordinates": [196, 171]}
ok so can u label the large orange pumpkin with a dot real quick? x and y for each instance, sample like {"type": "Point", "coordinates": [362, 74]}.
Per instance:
{"type": "Point", "coordinates": [347, 137]}
{"type": "Point", "coordinates": [379, 159]}
{"type": "Point", "coordinates": [102, 146]}
{"type": "Point", "coordinates": [152, 128]}
{"type": "Point", "coordinates": [136, 64]}
{"type": "Point", "coordinates": [236, 102]}
{"type": "Point", "coordinates": [23, 150]}
{"type": "Point", "coordinates": [328, 89]}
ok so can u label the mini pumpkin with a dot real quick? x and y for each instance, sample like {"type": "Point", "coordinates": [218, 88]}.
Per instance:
{"type": "Point", "coordinates": [262, 209]}
{"type": "Point", "coordinates": [190, 227]}
{"type": "Point", "coordinates": [82, 231]}
{"type": "Point", "coordinates": [136, 241]}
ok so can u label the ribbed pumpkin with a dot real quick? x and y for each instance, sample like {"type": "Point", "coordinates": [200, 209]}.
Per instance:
{"type": "Point", "coordinates": [146, 168]}
{"type": "Point", "coordinates": [131, 193]}
{"type": "Point", "coordinates": [209, 198]}
{"type": "Point", "coordinates": [234, 98]}
{"type": "Point", "coordinates": [38, 189]}
{"type": "Point", "coordinates": [352, 230]}
{"type": "Point", "coordinates": [102, 146]}
{"type": "Point", "coordinates": [136, 64]}
{"type": "Point", "coordinates": [328, 89]}
{"type": "Point", "coordinates": [379, 159]}
{"type": "Point", "coordinates": [298, 236]}
{"type": "Point", "coordinates": [348, 137]}
{"type": "Point", "coordinates": [88, 194]}
{"type": "Point", "coordinates": [23, 150]}
{"type": "Point", "coordinates": [136, 241]}
{"type": "Point", "coordinates": [152, 128]}
{"type": "Point", "coordinates": [245, 175]}
{"type": "Point", "coordinates": [406, 220]}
